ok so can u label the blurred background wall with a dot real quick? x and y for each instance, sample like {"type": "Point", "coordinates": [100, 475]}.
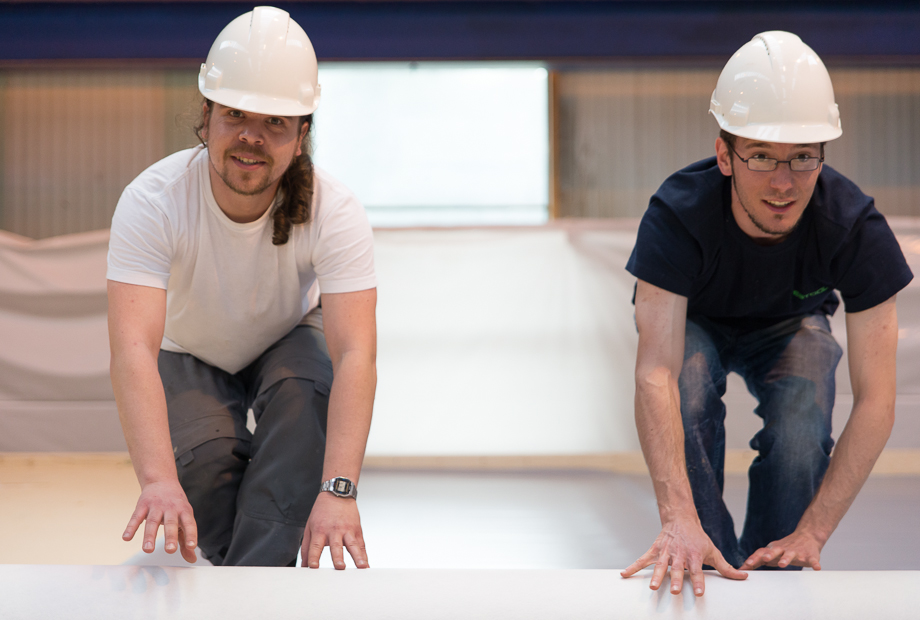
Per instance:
{"type": "Point", "coordinates": [91, 93]}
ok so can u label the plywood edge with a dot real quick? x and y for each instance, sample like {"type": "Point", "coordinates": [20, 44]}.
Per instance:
{"type": "Point", "coordinates": [890, 462]}
{"type": "Point", "coordinates": [64, 458]}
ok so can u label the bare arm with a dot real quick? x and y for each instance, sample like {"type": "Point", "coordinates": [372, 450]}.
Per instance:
{"type": "Point", "coordinates": [350, 326]}
{"type": "Point", "coordinates": [137, 315]}
{"type": "Point", "coordinates": [872, 341]}
{"type": "Point", "coordinates": [661, 318]}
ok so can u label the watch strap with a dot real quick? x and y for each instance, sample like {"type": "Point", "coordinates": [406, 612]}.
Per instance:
{"type": "Point", "coordinates": [340, 487]}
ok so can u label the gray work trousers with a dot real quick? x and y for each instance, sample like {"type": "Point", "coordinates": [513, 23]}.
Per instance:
{"type": "Point", "coordinates": [251, 492]}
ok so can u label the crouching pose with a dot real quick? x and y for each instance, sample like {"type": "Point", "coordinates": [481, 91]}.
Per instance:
{"type": "Point", "coordinates": [738, 258]}
{"type": "Point", "coordinates": [217, 259]}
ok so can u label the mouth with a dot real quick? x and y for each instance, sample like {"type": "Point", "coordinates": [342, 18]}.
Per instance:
{"type": "Point", "coordinates": [247, 163]}
{"type": "Point", "coordinates": [779, 206]}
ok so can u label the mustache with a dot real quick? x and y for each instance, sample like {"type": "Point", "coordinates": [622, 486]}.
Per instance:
{"type": "Point", "coordinates": [251, 153]}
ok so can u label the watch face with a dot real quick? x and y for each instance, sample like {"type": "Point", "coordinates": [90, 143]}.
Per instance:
{"type": "Point", "coordinates": [341, 486]}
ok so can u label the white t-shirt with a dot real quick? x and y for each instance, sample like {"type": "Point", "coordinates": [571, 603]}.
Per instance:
{"type": "Point", "coordinates": [230, 293]}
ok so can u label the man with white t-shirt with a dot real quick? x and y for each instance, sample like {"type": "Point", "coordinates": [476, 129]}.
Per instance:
{"type": "Point", "coordinates": [217, 259]}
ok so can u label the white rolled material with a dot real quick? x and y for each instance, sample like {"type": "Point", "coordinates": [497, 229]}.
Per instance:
{"type": "Point", "coordinates": [102, 592]}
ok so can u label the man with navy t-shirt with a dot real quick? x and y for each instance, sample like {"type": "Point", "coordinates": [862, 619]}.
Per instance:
{"type": "Point", "coordinates": [738, 258]}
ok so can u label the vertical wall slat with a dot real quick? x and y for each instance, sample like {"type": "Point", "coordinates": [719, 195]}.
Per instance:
{"type": "Point", "coordinates": [72, 141]}
{"type": "Point", "coordinates": [623, 131]}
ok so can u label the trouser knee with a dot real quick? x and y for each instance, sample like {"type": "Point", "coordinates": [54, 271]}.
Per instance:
{"type": "Point", "coordinates": [210, 475]}
{"type": "Point", "coordinates": [288, 451]}
{"type": "Point", "coordinates": [797, 429]}
{"type": "Point", "coordinates": [211, 463]}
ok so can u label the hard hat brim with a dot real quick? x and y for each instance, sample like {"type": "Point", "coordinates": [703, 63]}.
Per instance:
{"type": "Point", "coordinates": [783, 133]}
{"type": "Point", "coordinates": [259, 104]}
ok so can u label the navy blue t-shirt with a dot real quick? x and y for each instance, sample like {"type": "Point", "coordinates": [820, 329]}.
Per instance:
{"type": "Point", "coordinates": [690, 244]}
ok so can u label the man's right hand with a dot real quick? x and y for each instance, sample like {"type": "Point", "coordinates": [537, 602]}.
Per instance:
{"type": "Point", "coordinates": [682, 544]}
{"type": "Point", "coordinates": [165, 503]}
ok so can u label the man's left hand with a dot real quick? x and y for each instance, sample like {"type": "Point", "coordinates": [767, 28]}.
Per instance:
{"type": "Point", "coordinates": [334, 522]}
{"type": "Point", "coordinates": [797, 549]}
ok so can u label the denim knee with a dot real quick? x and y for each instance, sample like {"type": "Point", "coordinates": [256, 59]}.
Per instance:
{"type": "Point", "coordinates": [797, 431]}
{"type": "Point", "coordinates": [698, 391]}
{"type": "Point", "coordinates": [702, 377]}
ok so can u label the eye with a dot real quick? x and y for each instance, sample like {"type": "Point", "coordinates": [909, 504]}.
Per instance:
{"type": "Point", "coordinates": [760, 156]}
{"type": "Point", "coordinates": [274, 120]}
{"type": "Point", "coordinates": [803, 156]}
{"type": "Point", "coordinates": [235, 113]}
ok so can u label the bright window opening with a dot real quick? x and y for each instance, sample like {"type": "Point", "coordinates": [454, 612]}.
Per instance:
{"type": "Point", "coordinates": [438, 144]}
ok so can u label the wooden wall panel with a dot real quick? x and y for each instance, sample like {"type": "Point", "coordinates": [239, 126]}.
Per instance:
{"type": "Point", "coordinates": [621, 132]}
{"type": "Point", "coordinates": [73, 139]}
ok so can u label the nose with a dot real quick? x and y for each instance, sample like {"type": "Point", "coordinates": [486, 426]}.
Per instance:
{"type": "Point", "coordinates": [251, 132]}
{"type": "Point", "coordinates": [781, 178]}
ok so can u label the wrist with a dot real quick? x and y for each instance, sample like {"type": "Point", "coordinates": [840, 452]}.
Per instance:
{"type": "Point", "coordinates": [158, 476]}
{"type": "Point", "coordinates": [678, 511]}
{"type": "Point", "coordinates": [817, 534]}
{"type": "Point", "coordinates": [340, 486]}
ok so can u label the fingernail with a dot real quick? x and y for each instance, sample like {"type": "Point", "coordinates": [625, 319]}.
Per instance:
{"type": "Point", "coordinates": [148, 546]}
{"type": "Point", "coordinates": [654, 584]}
{"type": "Point", "coordinates": [170, 547]}
{"type": "Point", "coordinates": [190, 544]}
{"type": "Point", "coordinates": [699, 591]}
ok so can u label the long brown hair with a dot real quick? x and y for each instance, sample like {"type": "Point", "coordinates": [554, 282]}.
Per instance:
{"type": "Point", "coordinates": [296, 187]}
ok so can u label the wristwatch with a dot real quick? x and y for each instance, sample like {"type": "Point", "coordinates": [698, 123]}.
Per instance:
{"type": "Point", "coordinates": [340, 487]}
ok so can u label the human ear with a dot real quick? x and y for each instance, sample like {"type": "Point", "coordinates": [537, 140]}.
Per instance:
{"type": "Point", "coordinates": [206, 119]}
{"type": "Point", "coordinates": [723, 157]}
{"type": "Point", "coordinates": [304, 130]}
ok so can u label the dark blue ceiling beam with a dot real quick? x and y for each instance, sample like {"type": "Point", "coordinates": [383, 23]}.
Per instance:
{"type": "Point", "coordinates": [470, 30]}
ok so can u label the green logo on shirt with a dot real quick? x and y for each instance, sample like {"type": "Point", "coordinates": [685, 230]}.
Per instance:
{"type": "Point", "coordinates": [799, 295]}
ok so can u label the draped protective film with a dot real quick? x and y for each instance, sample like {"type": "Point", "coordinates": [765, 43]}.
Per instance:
{"type": "Point", "coordinates": [491, 341]}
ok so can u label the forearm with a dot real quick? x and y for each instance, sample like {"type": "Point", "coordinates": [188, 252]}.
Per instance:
{"type": "Point", "coordinates": [661, 436]}
{"type": "Point", "coordinates": [142, 410]}
{"type": "Point", "coordinates": [859, 446]}
{"type": "Point", "coordinates": [351, 404]}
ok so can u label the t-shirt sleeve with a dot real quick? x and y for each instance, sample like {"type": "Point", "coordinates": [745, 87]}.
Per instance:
{"type": "Point", "coordinates": [343, 253]}
{"type": "Point", "coordinates": [873, 267]}
{"type": "Point", "coordinates": [139, 245]}
{"type": "Point", "coordinates": [666, 254]}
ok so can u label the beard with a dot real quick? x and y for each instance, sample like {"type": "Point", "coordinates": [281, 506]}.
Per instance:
{"type": "Point", "coordinates": [242, 183]}
{"type": "Point", "coordinates": [760, 224]}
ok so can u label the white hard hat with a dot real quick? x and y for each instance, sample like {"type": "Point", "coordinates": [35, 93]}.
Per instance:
{"type": "Point", "coordinates": [262, 62]}
{"type": "Point", "coordinates": [776, 89]}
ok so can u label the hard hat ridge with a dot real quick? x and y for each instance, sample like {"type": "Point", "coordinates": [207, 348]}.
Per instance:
{"type": "Point", "coordinates": [262, 62]}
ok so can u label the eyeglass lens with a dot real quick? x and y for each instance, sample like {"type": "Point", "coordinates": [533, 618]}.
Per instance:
{"type": "Point", "coordinates": [803, 164]}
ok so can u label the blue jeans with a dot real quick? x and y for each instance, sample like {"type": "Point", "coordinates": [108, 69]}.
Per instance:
{"type": "Point", "coordinates": [789, 367]}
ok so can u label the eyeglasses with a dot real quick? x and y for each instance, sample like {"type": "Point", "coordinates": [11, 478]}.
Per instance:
{"type": "Point", "coordinates": [766, 164]}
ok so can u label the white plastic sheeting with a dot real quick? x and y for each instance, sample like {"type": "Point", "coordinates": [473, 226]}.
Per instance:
{"type": "Point", "coordinates": [104, 592]}
{"type": "Point", "coordinates": [491, 341]}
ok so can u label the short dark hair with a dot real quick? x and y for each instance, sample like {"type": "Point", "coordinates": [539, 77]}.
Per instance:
{"type": "Point", "coordinates": [726, 137]}
{"type": "Point", "coordinates": [296, 185]}
{"type": "Point", "coordinates": [730, 139]}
